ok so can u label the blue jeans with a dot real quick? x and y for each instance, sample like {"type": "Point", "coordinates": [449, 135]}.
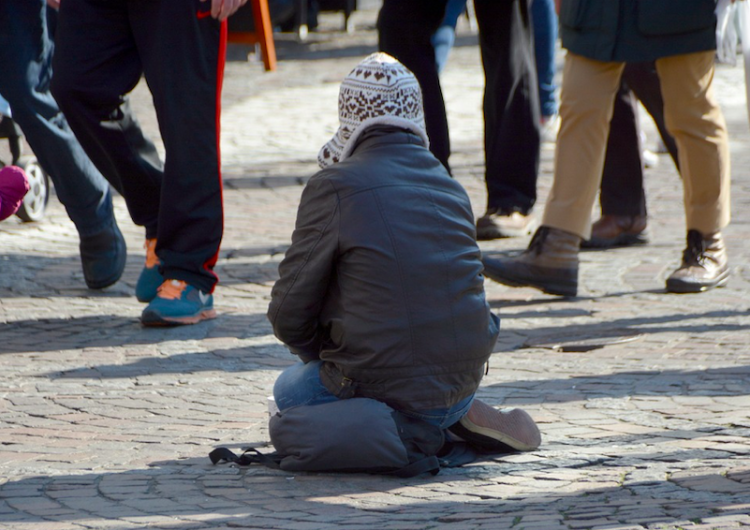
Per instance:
{"type": "Point", "coordinates": [300, 384]}
{"type": "Point", "coordinates": [25, 62]}
{"type": "Point", "coordinates": [544, 19]}
{"type": "Point", "coordinates": [445, 36]}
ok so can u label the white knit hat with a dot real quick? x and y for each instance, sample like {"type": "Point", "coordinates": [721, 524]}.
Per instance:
{"type": "Point", "coordinates": [380, 90]}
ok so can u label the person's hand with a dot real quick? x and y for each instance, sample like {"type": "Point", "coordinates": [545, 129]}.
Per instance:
{"type": "Point", "coordinates": [220, 9]}
{"type": "Point", "coordinates": [54, 4]}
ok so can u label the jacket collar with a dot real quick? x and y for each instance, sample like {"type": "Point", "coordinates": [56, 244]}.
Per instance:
{"type": "Point", "coordinates": [386, 135]}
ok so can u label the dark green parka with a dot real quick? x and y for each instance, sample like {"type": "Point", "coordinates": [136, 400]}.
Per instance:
{"type": "Point", "coordinates": [637, 30]}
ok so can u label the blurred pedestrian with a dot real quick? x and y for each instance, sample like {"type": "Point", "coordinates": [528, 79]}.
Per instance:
{"type": "Point", "coordinates": [599, 43]}
{"type": "Point", "coordinates": [544, 21]}
{"type": "Point", "coordinates": [624, 218]}
{"type": "Point", "coordinates": [511, 102]}
{"type": "Point", "coordinates": [103, 48]}
{"type": "Point", "coordinates": [26, 49]}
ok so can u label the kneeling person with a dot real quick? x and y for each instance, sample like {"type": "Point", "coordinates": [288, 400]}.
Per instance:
{"type": "Point", "coordinates": [381, 292]}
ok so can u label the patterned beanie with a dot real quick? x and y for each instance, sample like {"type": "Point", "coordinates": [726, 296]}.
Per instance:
{"type": "Point", "coordinates": [380, 90]}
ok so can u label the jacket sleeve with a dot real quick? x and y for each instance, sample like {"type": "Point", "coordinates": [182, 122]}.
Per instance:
{"type": "Point", "coordinates": [305, 272]}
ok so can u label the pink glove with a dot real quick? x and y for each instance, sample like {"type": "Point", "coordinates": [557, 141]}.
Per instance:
{"type": "Point", "coordinates": [13, 186]}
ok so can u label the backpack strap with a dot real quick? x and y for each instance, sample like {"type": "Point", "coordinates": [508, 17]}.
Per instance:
{"type": "Point", "coordinates": [249, 456]}
{"type": "Point", "coordinates": [430, 465]}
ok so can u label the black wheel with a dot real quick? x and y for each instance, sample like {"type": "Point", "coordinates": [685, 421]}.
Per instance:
{"type": "Point", "coordinates": [35, 201]}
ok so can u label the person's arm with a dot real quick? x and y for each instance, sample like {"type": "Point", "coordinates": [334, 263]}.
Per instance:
{"type": "Point", "coordinates": [220, 9]}
{"type": "Point", "coordinates": [305, 272]}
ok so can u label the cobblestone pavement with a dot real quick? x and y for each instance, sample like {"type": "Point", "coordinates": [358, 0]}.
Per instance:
{"type": "Point", "coordinates": [107, 425]}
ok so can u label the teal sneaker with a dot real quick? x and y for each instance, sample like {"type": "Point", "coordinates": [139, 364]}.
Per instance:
{"type": "Point", "coordinates": [150, 278]}
{"type": "Point", "coordinates": [178, 303]}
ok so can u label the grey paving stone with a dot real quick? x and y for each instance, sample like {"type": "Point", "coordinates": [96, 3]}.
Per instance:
{"type": "Point", "coordinates": [107, 425]}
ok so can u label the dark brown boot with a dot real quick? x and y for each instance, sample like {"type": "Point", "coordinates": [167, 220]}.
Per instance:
{"type": "Point", "coordinates": [550, 264]}
{"type": "Point", "coordinates": [617, 231]}
{"type": "Point", "coordinates": [704, 264]}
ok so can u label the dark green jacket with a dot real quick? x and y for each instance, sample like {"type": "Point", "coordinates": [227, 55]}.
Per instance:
{"type": "Point", "coordinates": [637, 30]}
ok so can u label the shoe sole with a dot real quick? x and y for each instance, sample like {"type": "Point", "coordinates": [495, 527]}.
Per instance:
{"type": "Point", "coordinates": [506, 278]}
{"type": "Point", "coordinates": [486, 425]}
{"type": "Point", "coordinates": [490, 233]}
{"type": "Point", "coordinates": [153, 320]}
{"type": "Point", "coordinates": [681, 287]}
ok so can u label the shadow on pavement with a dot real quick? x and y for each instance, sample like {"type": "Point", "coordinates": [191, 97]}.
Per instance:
{"type": "Point", "coordinates": [712, 382]}
{"type": "Point", "coordinates": [191, 493]}
{"type": "Point", "coordinates": [102, 331]}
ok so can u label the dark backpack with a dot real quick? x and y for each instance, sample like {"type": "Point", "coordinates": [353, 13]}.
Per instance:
{"type": "Point", "coordinates": [357, 435]}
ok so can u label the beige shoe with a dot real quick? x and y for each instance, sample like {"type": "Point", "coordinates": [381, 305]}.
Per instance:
{"type": "Point", "coordinates": [496, 225]}
{"type": "Point", "coordinates": [498, 430]}
{"type": "Point", "coordinates": [704, 264]}
{"type": "Point", "coordinates": [550, 264]}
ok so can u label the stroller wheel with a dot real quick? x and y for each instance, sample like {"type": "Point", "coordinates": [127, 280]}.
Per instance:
{"type": "Point", "coordinates": [35, 201]}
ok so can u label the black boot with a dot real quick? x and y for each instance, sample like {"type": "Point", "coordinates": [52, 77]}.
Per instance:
{"type": "Point", "coordinates": [550, 264]}
{"type": "Point", "coordinates": [103, 257]}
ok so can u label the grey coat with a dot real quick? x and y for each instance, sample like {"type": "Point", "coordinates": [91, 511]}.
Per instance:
{"type": "Point", "coordinates": [637, 30]}
{"type": "Point", "coordinates": [383, 280]}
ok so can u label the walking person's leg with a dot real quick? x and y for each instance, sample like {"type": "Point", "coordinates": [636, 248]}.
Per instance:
{"type": "Point", "coordinates": [511, 115]}
{"type": "Point", "coordinates": [544, 19]}
{"type": "Point", "coordinates": [694, 118]}
{"type": "Point", "coordinates": [622, 197]}
{"type": "Point", "coordinates": [643, 80]}
{"type": "Point", "coordinates": [551, 261]}
{"type": "Point", "coordinates": [25, 59]}
{"type": "Point", "coordinates": [181, 47]}
{"type": "Point", "coordinates": [96, 65]}
{"type": "Point", "coordinates": [405, 30]}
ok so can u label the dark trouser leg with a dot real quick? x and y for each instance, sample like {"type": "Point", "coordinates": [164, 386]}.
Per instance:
{"type": "Point", "coordinates": [179, 50]}
{"type": "Point", "coordinates": [622, 178]}
{"type": "Point", "coordinates": [644, 82]}
{"type": "Point", "coordinates": [405, 29]}
{"type": "Point", "coordinates": [511, 104]}
{"type": "Point", "coordinates": [25, 62]}
{"type": "Point", "coordinates": [96, 64]}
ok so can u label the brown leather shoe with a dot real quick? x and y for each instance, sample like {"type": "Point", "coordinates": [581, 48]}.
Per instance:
{"type": "Point", "coordinates": [617, 231]}
{"type": "Point", "coordinates": [550, 264]}
{"type": "Point", "coordinates": [704, 264]}
{"type": "Point", "coordinates": [495, 224]}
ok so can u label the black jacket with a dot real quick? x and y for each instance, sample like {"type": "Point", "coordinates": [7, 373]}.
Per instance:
{"type": "Point", "coordinates": [383, 279]}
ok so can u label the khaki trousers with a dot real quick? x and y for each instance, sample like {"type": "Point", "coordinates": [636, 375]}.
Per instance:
{"type": "Point", "coordinates": [692, 116]}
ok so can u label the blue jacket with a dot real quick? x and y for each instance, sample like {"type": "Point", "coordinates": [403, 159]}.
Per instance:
{"type": "Point", "coordinates": [637, 30]}
{"type": "Point", "coordinates": [383, 280]}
